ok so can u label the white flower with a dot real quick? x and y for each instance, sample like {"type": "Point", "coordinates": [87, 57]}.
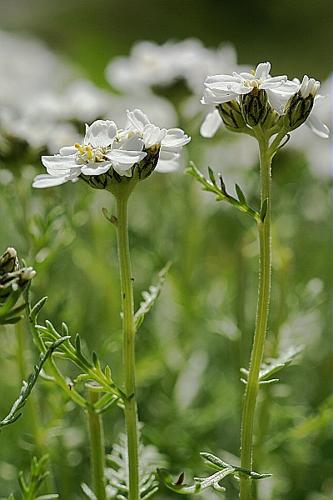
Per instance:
{"type": "Point", "coordinates": [171, 140]}
{"type": "Point", "coordinates": [224, 88]}
{"type": "Point", "coordinates": [105, 147]}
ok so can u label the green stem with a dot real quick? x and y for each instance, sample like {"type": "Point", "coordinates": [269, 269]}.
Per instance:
{"type": "Point", "coordinates": [252, 387]}
{"type": "Point", "coordinates": [97, 449]}
{"type": "Point", "coordinates": [128, 345]}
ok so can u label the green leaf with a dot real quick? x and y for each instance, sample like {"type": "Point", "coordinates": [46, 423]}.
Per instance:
{"type": "Point", "coordinates": [33, 314]}
{"type": "Point", "coordinates": [274, 365]}
{"type": "Point", "coordinates": [212, 176]}
{"type": "Point", "coordinates": [240, 195]}
{"type": "Point", "coordinates": [31, 485]}
{"type": "Point", "coordinates": [151, 296]}
{"type": "Point", "coordinates": [28, 385]}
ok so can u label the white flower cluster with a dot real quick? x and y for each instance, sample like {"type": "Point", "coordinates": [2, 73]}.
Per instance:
{"type": "Point", "coordinates": [150, 64]}
{"type": "Point", "coordinates": [106, 147]}
{"type": "Point", "coordinates": [223, 88]}
{"type": "Point", "coordinates": [42, 98]}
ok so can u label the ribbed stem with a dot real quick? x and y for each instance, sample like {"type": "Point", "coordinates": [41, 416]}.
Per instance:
{"type": "Point", "coordinates": [252, 387]}
{"type": "Point", "coordinates": [128, 345]}
{"type": "Point", "coordinates": [97, 449]}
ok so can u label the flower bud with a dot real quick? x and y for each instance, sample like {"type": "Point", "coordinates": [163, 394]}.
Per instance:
{"type": "Point", "coordinates": [8, 261]}
{"type": "Point", "coordinates": [231, 115]}
{"type": "Point", "coordinates": [298, 110]}
{"type": "Point", "coordinates": [300, 104]}
{"type": "Point", "coordinates": [13, 279]}
{"type": "Point", "coordinates": [255, 107]}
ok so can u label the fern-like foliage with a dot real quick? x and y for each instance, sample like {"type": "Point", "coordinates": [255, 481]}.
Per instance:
{"type": "Point", "coordinates": [150, 296]}
{"type": "Point", "coordinates": [222, 470]}
{"type": "Point", "coordinates": [89, 365]}
{"type": "Point", "coordinates": [117, 470]}
{"type": "Point", "coordinates": [218, 188]}
{"type": "Point", "coordinates": [28, 385]}
{"type": "Point", "coordinates": [31, 485]}
{"type": "Point", "coordinates": [273, 365]}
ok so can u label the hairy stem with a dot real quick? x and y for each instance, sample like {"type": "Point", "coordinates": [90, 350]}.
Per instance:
{"type": "Point", "coordinates": [252, 387]}
{"type": "Point", "coordinates": [97, 449]}
{"type": "Point", "coordinates": [128, 345]}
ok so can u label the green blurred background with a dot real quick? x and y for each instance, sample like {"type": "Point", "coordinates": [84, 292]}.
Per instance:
{"type": "Point", "coordinates": [197, 336]}
{"type": "Point", "coordinates": [295, 36]}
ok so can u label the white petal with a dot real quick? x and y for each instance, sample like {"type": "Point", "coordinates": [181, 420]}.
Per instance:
{"type": "Point", "coordinates": [278, 100]}
{"type": "Point", "coordinates": [100, 134]}
{"type": "Point", "coordinates": [124, 157]}
{"type": "Point", "coordinates": [137, 120]}
{"type": "Point", "coordinates": [97, 168]}
{"type": "Point", "coordinates": [134, 143]}
{"type": "Point", "coordinates": [263, 70]}
{"type": "Point", "coordinates": [175, 138]}
{"type": "Point", "coordinates": [68, 151]}
{"type": "Point", "coordinates": [153, 135]}
{"type": "Point", "coordinates": [168, 162]}
{"type": "Point", "coordinates": [123, 170]}
{"type": "Point", "coordinates": [211, 124]}
{"type": "Point", "coordinates": [45, 181]}
{"type": "Point", "coordinates": [317, 126]}
{"type": "Point", "coordinates": [59, 164]}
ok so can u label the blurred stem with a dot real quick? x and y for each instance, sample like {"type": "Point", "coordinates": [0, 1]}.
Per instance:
{"type": "Point", "coordinates": [128, 344]}
{"type": "Point", "coordinates": [32, 405]}
{"type": "Point", "coordinates": [97, 449]}
{"type": "Point", "coordinates": [252, 386]}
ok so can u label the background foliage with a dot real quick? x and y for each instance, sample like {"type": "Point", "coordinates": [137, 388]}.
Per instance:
{"type": "Point", "coordinates": [191, 346]}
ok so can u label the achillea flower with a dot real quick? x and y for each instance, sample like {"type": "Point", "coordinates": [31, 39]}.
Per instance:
{"type": "Point", "coordinates": [109, 154]}
{"type": "Point", "coordinates": [262, 99]}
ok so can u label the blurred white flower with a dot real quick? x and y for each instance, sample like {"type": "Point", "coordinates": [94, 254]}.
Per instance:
{"type": "Point", "coordinates": [106, 147]}
{"type": "Point", "coordinates": [27, 68]}
{"type": "Point", "coordinates": [150, 64]}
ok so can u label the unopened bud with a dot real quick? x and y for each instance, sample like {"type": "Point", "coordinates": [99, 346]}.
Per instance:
{"type": "Point", "coordinates": [255, 107]}
{"type": "Point", "coordinates": [298, 110]}
{"type": "Point", "coordinates": [8, 261]}
{"type": "Point", "coordinates": [231, 115]}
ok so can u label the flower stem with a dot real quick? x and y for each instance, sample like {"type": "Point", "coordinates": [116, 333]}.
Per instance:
{"type": "Point", "coordinates": [252, 386]}
{"type": "Point", "coordinates": [128, 345]}
{"type": "Point", "coordinates": [97, 449]}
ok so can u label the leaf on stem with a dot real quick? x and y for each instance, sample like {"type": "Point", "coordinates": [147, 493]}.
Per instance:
{"type": "Point", "coordinates": [221, 192]}
{"type": "Point", "coordinates": [150, 296]}
{"type": "Point", "coordinates": [38, 473]}
{"type": "Point", "coordinates": [28, 385]}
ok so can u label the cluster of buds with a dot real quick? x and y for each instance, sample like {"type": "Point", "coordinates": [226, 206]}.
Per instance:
{"type": "Point", "coordinates": [14, 279]}
{"type": "Point", "coordinates": [110, 157]}
{"type": "Point", "coordinates": [244, 101]}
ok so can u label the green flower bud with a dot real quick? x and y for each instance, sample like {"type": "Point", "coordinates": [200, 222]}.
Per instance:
{"type": "Point", "coordinates": [255, 107]}
{"type": "Point", "coordinates": [298, 110]}
{"type": "Point", "coordinates": [231, 115]}
{"type": "Point", "coordinates": [112, 181]}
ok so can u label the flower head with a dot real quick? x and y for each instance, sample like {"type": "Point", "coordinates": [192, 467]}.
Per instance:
{"type": "Point", "coordinates": [260, 99]}
{"type": "Point", "coordinates": [109, 154]}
